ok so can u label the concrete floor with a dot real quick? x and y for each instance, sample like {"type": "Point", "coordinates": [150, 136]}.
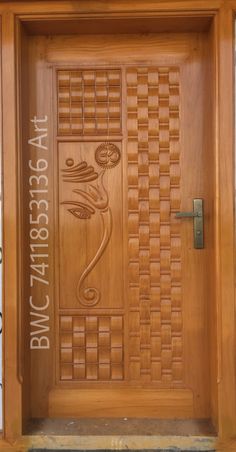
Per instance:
{"type": "Point", "coordinates": [119, 426]}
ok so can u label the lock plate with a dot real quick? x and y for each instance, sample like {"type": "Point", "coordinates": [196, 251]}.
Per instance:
{"type": "Point", "coordinates": [198, 224]}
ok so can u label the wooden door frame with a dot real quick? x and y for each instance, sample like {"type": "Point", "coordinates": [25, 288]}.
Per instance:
{"type": "Point", "coordinates": [222, 13]}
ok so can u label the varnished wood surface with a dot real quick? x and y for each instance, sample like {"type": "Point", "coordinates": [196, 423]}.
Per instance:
{"type": "Point", "coordinates": [226, 309]}
{"type": "Point", "coordinates": [39, 106]}
{"type": "Point", "coordinates": [225, 325]}
{"type": "Point", "coordinates": [138, 25]}
{"type": "Point", "coordinates": [117, 7]}
{"type": "Point", "coordinates": [70, 50]}
{"type": "Point", "coordinates": [121, 403]}
{"type": "Point", "coordinates": [12, 389]}
{"type": "Point", "coordinates": [135, 330]}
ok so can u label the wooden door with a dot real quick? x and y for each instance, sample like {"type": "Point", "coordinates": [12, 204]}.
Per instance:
{"type": "Point", "coordinates": [117, 319]}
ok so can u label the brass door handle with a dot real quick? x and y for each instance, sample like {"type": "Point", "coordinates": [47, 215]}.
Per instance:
{"type": "Point", "coordinates": [198, 222]}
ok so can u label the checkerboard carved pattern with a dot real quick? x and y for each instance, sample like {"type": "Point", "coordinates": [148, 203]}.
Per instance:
{"type": "Point", "coordinates": [155, 317]}
{"type": "Point", "coordinates": [89, 102]}
{"type": "Point", "coordinates": [91, 347]}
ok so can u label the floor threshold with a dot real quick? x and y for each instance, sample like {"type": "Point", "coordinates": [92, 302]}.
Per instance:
{"type": "Point", "coordinates": [119, 442]}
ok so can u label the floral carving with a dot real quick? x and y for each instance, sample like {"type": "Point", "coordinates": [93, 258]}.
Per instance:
{"type": "Point", "coordinates": [94, 199]}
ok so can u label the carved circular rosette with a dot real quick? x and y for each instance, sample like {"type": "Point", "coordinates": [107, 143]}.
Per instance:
{"type": "Point", "coordinates": [107, 155]}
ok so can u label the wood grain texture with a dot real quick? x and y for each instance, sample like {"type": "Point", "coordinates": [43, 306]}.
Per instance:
{"type": "Point", "coordinates": [89, 102]}
{"type": "Point", "coordinates": [222, 204]}
{"type": "Point", "coordinates": [12, 387]}
{"type": "Point", "coordinates": [154, 353]}
{"type": "Point", "coordinates": [87, 203]}
{"type": "Point", "coordinates": [117, 24]}
{"type": "Point", "coordinates": [37, 75]}
{"type": "Point", "coordinates": [23, 313]}
{"type": "Point", "coordinates": [209, 65]}
{"type": "Point", "coordinates": [155, 325]}
{"type": "Point", "coordinates": [166, 48]}
{"type": "Point", "coordinates": [119, 7]}
{"type": "Point", "coordinates": [226, 231]}
{"type": "Point", "coordinates": [120, 403]}
{"type": "Point", "coordinates": [114, 194]}
{"type": "Point", "coordinates": [91, 348]}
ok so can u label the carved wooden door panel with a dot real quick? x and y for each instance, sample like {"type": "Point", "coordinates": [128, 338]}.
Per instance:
{"type": "Point", "coordinates": [94, 226]}
{"type": "Point", "coordinates": [130, 295]}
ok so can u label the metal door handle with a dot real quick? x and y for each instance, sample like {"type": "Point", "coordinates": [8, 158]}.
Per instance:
{"type": "Point", "coordinates": [198, 222]}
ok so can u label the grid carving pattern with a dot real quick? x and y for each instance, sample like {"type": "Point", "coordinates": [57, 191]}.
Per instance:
{"type": "Point", "coordinates": [91, 348]}
{"type": "Point", "coordinates": [155, 317]}
{"type": "Point", "coordinates": [89, 102]}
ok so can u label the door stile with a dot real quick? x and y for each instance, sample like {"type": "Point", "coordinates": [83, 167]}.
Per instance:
{"type": "Point", "coordinates": [125, 215]}
{"type": "Point", "coordinates": [55, 171]}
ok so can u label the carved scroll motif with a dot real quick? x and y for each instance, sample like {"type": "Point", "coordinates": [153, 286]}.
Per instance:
{"type": "Point", "coordinates": [94, 199]}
